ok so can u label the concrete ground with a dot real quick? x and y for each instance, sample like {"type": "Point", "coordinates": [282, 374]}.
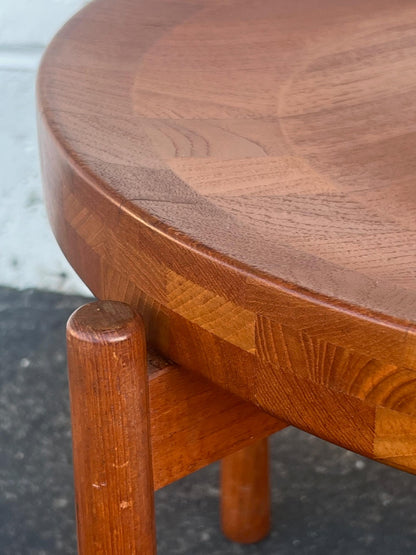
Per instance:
{"type": "Point", "coordinates": [325, 500]}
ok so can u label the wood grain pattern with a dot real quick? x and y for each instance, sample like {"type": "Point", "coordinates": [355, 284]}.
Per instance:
{"type": "Point", "coordinates": [211, 312]}
{"type": "Point", "coordinates": [242, 173]}
{"type": "Point", "coordinates": [299, 158]}
{"type": "Point", "coordinates": [394, 441]}
{"type": "Point", "coordinates": [194, 423]}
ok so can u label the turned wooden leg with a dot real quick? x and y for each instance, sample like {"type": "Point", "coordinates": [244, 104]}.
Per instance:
{"type": "Point", "coordinates": [245, 493]}
{"type": "Point", "coordinates": [110, 427]}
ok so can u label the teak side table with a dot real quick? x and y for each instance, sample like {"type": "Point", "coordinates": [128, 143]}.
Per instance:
{"type": "Point", "coordinates": [236, 181]}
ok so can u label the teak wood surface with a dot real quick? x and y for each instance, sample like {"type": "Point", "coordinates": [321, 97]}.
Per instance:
{"type": "Point", "coordinates": [111, 435]}
{"type": "Point", "coordinates": [243, 174]}
{"type": "Point", "coordinates": [139, 423]}
{"type": "Point", "coordinates": [245, 493]}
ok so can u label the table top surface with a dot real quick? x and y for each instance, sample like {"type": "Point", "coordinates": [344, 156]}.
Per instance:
{"type": "Point", "coordinates": [242, 173]}
{"type": "Point", "coordinates": [279, 136]}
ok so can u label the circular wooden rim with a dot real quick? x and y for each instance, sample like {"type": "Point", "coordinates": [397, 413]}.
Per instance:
{"type": "Point", "coordinates": [56, 128]}
{"type": "Point", "coordinates": [314, 361]}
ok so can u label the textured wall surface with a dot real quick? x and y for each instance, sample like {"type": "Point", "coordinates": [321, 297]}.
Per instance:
{"type": "Point", "coordinates": [29, 256]}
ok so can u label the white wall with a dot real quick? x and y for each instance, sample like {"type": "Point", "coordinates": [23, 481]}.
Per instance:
{"type": "Point", "coordinates": [29, 256]}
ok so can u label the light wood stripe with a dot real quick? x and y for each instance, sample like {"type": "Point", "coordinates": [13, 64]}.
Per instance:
{"type": "Point", "coordinates": [211, 311]}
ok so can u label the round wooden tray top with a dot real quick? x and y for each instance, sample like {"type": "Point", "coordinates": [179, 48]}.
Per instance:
{"type": "Point", "coordinates": [244, 173]}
